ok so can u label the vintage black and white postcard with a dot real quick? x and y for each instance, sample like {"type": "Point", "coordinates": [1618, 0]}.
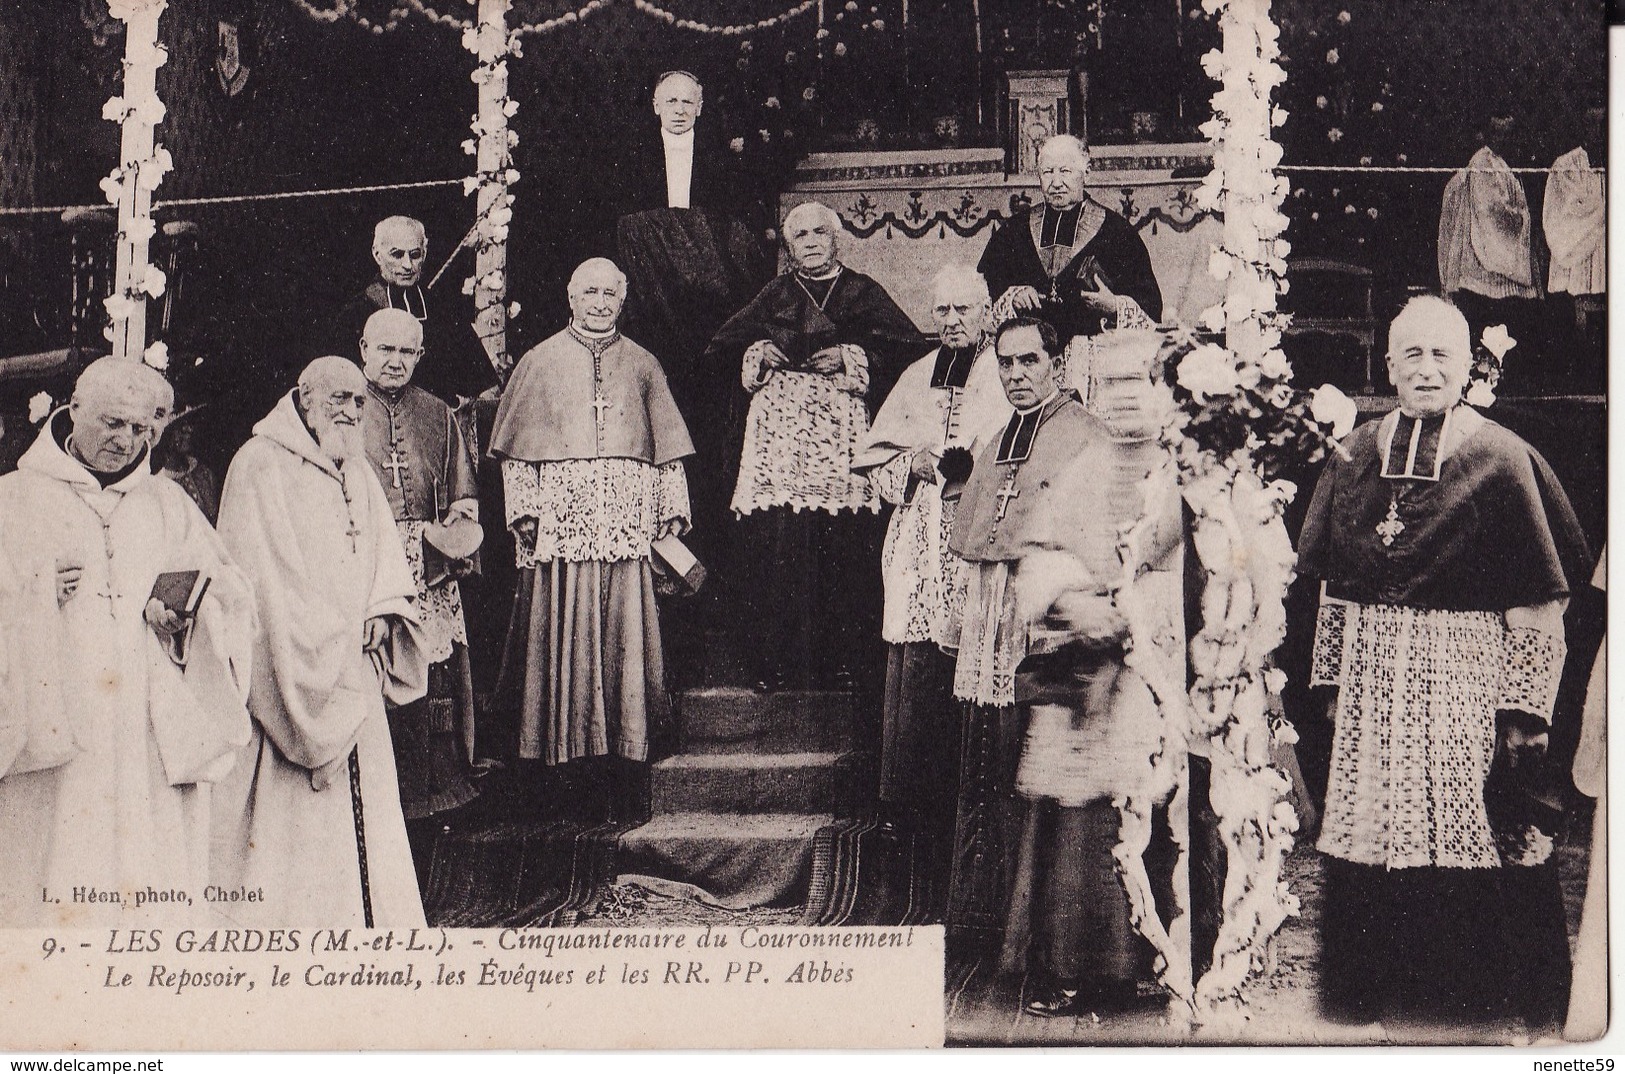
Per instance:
{"type": "Point", "coordinates": [802, 523]}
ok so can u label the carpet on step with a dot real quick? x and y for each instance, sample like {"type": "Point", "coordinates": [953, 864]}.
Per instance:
{"type": "Point", "coordinates": [725, 860]}
{"type": "Point", "coordinates": [513, 874]}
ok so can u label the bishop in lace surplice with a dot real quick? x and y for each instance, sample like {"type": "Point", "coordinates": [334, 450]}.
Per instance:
{"type": "Point", "coordinates": [1446, 551]}
{"type": "Point", "coordinates": [591, 445]}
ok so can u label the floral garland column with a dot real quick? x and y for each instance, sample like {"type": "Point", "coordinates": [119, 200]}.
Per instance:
{"type": "Point", "coordinates": [129, 187]}
{"type": "Point", "coordinates": [1237, 532]}
{"type": "Point", "coordinates": [491, 43]}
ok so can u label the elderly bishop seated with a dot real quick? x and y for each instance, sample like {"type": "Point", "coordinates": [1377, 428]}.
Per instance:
{"type": "Point", "coordinates": [311, 818]}
{"type": "Point", "coordinates": [591, 445]}
{"type": "Point", "coordinates": [126, 707]}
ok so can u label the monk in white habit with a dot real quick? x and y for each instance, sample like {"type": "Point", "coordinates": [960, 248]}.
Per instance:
{"type": "Point", "coordinates": [591, 445]}
{"type": "Point", "coordinates": [943, 400]}
{"type": "Point", "coordinates": [119, 712]}
{"type": "Point", "coordinates": [1484, 225]}
{"type": "Point", "coordinates": [310, 821]}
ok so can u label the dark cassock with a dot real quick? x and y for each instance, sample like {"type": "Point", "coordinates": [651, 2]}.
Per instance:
{"type": "Point", "coordinates": [808, 537]}
{"type": "Point", "coordinates": [1061, 252]}
{"type": "Point", "coordinates": [416, 448]}
{"type": "Point", "coordinates": [1446, 550]}
{"type": "Point", "coordinates": [998, 512]}
{"type": "Point", "coordinates": [690, 242]}
{"type": "Point", "coordinates": [689, 238]}
{"type": "Point", "coordinates": [1092, 724]}
{"type": "Point", "coordinates": [946, 399]}
{"type": "Point", "coordinates": [454, 362]}
{"type": "Point", "coordinates": [591, 445]}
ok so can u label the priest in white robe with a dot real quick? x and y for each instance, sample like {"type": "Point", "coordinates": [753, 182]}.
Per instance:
{"type": "Point", "coordinates": [943, 400]}
{"type": "Point", "coordinates": [310, 822]}
{"type": "Point", "coordinates": [118, 714]}
{"type": "Point", "coordinates": [591, 445]}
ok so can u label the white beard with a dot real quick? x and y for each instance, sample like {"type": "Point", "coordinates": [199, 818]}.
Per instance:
{"type": "Point", "coordinates": [340, 443]}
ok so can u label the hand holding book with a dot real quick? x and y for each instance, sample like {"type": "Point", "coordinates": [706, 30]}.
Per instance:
{"type": "Point", "coordinates": [174, 600]}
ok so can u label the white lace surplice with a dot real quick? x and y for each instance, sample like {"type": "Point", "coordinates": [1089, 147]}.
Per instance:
{"type": "Point", "coordinates": [440, 609]}
{"type": "Point", "coordinates": [593, 509]}
{"type": "Point", "coordinates": [914, 559]}
{"type": "Point", "coordinates": [987, 629]}
{"type": "Point", "coordinates": [800, 438]}
{"type": "Point", "coordinates": [1415, 735]}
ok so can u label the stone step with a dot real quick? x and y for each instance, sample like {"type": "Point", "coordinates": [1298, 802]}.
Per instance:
{"type": "Point", "coordinates": [731, 719]}
{"type": "Point", "coordinates": [751, 783]}
{"type": "Point", "coordinates": [737, 862]}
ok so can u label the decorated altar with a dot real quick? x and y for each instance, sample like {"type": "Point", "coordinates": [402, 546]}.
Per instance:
{"type": "Point", "coordinates": [907, 213]}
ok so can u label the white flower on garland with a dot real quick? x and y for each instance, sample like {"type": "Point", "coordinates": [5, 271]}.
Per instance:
{"type": "Point", "coordinates": [1274, 365]}
{"type": "Point", "coordinates": [1480, 394]}
{"type": "Point", "coordinates": [1329, 406]}
{"type": "Point", "coordinates": [1497, 341]}
{"type": "Point", "coordinates": [40, 407]}
{"type": "Point", "coordinates": [1207, 371]}
{"type": "Point", "coordinates": [157, 356]}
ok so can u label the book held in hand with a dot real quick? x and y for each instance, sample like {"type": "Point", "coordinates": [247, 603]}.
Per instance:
{"type": "Point", "coordinates": [180, 591]}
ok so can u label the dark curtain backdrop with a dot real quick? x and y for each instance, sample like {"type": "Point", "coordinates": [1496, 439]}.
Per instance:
{"type": "Point", "coordinates": [333, 105]}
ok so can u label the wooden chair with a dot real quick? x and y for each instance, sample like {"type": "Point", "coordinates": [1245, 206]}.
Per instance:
{"type": "Point", "coordinates": [1333, 298]}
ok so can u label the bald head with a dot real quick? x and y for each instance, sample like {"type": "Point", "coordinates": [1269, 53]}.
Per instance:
{"type": "Point", "coordinates": [113, 413]}
{"type": "Point", "coordinates": [331, 372]}
{"type": "Point", "coordinates": [399, 246]}
{"type": "Point", "coordinates": [597, 292]}
{"type": "Point", "coordinates": [1063, 161]}
{"type": "Point", "coordinates": [391, 347]}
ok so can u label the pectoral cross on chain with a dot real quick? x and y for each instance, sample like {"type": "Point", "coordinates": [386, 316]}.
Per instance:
{"type": "Point", "coordinates": [1005, 495]}
{"type": "Point", "coordinates": [599, 405]}
{"type": "Point", "coordinates": [1390, 527]}
{"type": "Point", "coordinates": [395, 465]}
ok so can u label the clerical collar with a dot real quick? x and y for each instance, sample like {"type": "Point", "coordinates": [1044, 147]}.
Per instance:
{"type": "Point", "coordinates": [1414, 449]}
{"type": "Point", "coordinates": [1017, 442]}
{"type": "Point", "coordinates": [597, 342]}
{"type": "Point", "coordinates": [409, 299]}
{"type": "Point", "coordinates": [391, 396]}
{"type": "Point", "coordinates": [953, 365]}
{"type": "Point", "coordinates": [678, 141]}
{"type": "Point", "coordinates": [1060, 226]}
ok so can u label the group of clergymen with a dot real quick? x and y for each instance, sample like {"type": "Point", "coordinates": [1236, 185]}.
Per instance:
{"type": "Point", "coordinates": [254, 751]}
